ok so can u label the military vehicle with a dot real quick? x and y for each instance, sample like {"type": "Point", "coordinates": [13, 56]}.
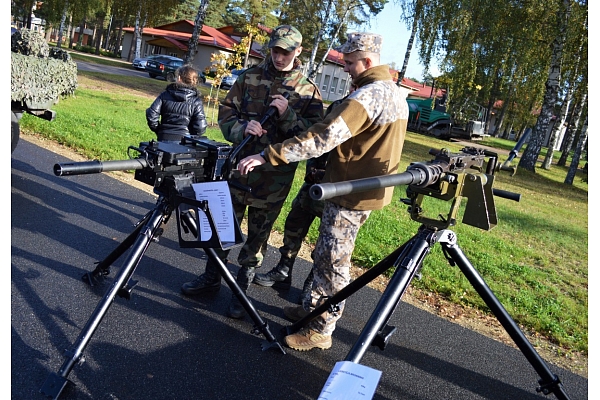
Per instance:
{"type": "Point", "coordinates": [429, 116]}
{"type": "Point", "coordinates": [39, 76]}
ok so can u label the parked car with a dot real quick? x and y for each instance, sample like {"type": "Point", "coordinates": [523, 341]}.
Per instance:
{"type": "Point", "coordinates": [163, 66]}
{"type": "Point", "coordinates": [229, 80]}
{"type": "Point", "coordinates": [140, 63]}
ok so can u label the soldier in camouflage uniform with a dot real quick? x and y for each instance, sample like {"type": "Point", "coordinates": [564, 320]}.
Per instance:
{"type": "Point", "coordinates": [364, 135]}
{"type": "Point", "coordinates": [255, 90]}
{"type": "Point", "coordinates": [303, 212]}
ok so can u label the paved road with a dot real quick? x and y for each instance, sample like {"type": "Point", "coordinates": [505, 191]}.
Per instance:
{"type": "Point", "coordinates": [108, 69]}
{"type": "Point", "coordinates": [162, 345]}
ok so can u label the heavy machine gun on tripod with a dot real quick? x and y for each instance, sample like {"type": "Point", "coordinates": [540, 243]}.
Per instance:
{"type": "Point", "coordinates": [448, 177]}
{"type": "Point", "coordinates": [171, 169]}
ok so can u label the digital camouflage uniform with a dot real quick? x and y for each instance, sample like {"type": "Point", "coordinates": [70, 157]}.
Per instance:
{"type": "Point", "coordinates": [304, 210]}
{"type": "Point", "coordinates": [367, 132]}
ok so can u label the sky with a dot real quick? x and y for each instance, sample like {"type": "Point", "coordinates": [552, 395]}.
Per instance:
{"type": "Point", "coordinates": [395, 39]}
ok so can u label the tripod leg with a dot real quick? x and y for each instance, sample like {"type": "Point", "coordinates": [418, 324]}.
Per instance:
{"type": "Point", "coordinates": [347, 291]}
{"type": "Point", "coordinates": [56, 382]}
{"type": "Point", "coordinates": [549, 382]}
{"type": "Point", "coordinates": [409, 262]}
{"type": "Point", "coordinates": [260, 325]}
{"type": "Point", "coordinates": [103, 267]}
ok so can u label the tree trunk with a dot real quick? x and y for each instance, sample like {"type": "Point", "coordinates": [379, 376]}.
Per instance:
{"type": "Point", "coordinates": [61, 28]}
{"type": "Point", "coordinates": [133, 50]}
{"type": "Point", "coordinates": [571, 130]}
{"type": "Point", "coordinates": [577, 154]}
{"type": "Point", "coordinates": [81, 30]}
{"type": "Point", "coordinates": [534, 147]}
{"type": "Point", "coordinates": [119, 38]}
{"type": "Point", "coordinates": [198, 23]}
{"type": "Point", "coordinates": [409, 46]}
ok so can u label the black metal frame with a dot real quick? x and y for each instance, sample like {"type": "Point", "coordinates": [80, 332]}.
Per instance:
{"type": "Point", "coordinates": [147, 230]}
{"type": "Point", "coordinates": [407, 261]}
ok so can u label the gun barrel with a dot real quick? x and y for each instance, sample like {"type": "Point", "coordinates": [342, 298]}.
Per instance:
{"type": "Point", "coordinates": [325, 191]}
{"type": "Point", "coordinates": [507, 195]}
{"type": "Point", "coordinates": [95, 167]}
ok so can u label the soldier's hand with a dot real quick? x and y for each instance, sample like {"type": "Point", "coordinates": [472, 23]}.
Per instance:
{"type": "Point", "coordinates": [247, 164]}
{"type": "Point", "coordinates": [254, 128]}
{"type": "Point", "coordinates": [280, 103]}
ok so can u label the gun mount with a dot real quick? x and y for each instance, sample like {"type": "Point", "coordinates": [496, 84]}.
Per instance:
{"type": "Point", "coordinates": [448, 177]}
{"type": "Point", "coordinates": [171, 169]}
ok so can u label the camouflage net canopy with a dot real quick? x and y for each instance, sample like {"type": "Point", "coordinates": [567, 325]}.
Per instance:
{"type": "Point", "coordinates": [39, 75]}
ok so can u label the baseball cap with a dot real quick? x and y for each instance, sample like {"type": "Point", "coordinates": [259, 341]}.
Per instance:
{"type": "Point", "coordinates": [362, 41]}
{"type": "Point", "coordinates": [287, 37]}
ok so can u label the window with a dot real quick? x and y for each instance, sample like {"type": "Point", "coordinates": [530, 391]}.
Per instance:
{"type": "Point", "coordinates": [325, 83]}
{"type": "Point", "coordinates": [342, 87]}
{"type": "Point", "coordinates": [334, 84]}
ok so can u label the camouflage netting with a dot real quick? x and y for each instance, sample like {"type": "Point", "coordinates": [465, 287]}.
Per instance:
{"type": "Point", "coordinates": [39, 76]}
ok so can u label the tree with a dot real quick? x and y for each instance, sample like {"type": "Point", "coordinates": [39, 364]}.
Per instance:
{"type": "Point", "coordinates": [577, 155]}
{"type": "Point", "coordinates": [532, 151]}
{"type": "Point", "coordinates": [198, 23]}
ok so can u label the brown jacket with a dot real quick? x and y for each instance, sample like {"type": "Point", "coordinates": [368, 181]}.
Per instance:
{"type": "Point", "coordinates": [365, 135]}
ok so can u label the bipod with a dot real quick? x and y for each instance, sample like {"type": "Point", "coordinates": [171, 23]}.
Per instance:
{"type": "Point", "coordinates": [408, 260]}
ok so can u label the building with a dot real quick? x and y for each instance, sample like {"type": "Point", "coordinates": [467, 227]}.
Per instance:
{"type": "Point", "coordinates": [173, 38]}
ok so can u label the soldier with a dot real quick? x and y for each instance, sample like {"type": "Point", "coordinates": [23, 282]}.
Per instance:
{"type": "Point", "coordinates": [255, 90]}
{"type": "Point", "coordinates": [364, 135]}
{"type": "Point", "coordinates": [297, 223]}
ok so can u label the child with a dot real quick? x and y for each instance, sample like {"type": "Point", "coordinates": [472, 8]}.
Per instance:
{"type": "Point", "coordinates": [178, 111]}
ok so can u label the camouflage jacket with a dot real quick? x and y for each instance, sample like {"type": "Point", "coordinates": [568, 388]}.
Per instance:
{"type": "Point", "coordinates": [364, 135]}
{"type": "Point", "coordinates": [249, 99]}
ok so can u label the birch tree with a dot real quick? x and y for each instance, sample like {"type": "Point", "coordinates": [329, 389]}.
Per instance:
{"type": "Point", "coordinates": [583, 135]}
{"type": "Point", "coordinates": [198, 23]}
{"type": "Point", "coordinates": [534, 147]}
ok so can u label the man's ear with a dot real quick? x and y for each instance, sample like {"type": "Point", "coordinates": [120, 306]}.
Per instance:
{"type": "Point", "coordinates": [298, 51]}
{"type": "Point", "coordinates": [368, 62]}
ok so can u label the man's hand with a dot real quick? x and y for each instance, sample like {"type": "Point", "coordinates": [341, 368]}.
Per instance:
{"type": "Point", "coordinates": [280, 103]}
{"type": "Point", "coordinates": [247, 164]}
{"type": "Point", "coordinates": [254, 128]}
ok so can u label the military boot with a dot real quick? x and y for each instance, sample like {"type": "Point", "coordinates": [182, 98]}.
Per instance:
{"type": "Point", "coordinates": [208, 282]}
{"type": "Point", "coordinates": [306, 289]}
{"type": "Point", "coordinates": [244, 278]}
{"type": "Point", "coordinates": [279, 277]}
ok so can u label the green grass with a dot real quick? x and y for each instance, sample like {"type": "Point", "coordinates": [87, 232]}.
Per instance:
{"type": "Point", "coordinates": [535, 260]}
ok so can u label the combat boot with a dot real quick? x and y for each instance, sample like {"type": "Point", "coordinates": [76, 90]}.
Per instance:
{"type": "Point", "coordinates": [208, 282]}
{"type": "Point", "coordinates": [244, 278]}
{"type": "Point", "coordinates": [307, 288]}
{"type": "Point", "coordinates": [279, 277]}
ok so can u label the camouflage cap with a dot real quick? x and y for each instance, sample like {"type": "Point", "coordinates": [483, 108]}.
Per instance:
{"type": "Point", "coordinates": [362, 41]}
{"type": "Point", "coordinates": [287, 37]}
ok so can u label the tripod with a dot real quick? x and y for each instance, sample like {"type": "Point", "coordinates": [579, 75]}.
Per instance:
{"type": "Point", "coordinates": [147, 230]}
{"type": "Point", "coordinates": [407, 260]}
{"type": "Point", "coordinates": [448, 177]}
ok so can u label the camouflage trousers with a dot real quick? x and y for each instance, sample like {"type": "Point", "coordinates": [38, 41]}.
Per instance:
{"type": "Point", "coordinates": [260, 223]}
{"type": "Point", "coordinates": [337, 236]}
{"type": "Point", "coordinates": [297, 223]}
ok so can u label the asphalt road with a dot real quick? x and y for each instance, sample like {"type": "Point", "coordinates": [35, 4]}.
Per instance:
{"type": "Point", "coordinates": [160, 344]}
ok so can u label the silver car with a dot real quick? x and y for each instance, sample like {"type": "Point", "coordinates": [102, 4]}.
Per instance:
{"type": "Point", "coordinates": [140, 63]}
{"type": "Point", "coordinates": [228, 81]}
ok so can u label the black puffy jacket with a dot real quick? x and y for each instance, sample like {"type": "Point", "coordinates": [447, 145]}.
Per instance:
{"type": "Point", "coordinates": [176, 112]}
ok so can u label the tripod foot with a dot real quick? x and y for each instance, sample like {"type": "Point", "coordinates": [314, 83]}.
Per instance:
{"type": "Point", "coordinates": [94, 277]}
{"type": "Point", "coordinates": [382, 338]}
{"type": "Point", "coordinates": [265, 345]}
{"type": "Point", "coordinates": [54, 385]}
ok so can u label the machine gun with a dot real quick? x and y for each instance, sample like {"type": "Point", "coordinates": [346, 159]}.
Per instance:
{"type": "Point", "coordinates": [448, 177]}
{"type": "Point", "coordinates": [171, 169]}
